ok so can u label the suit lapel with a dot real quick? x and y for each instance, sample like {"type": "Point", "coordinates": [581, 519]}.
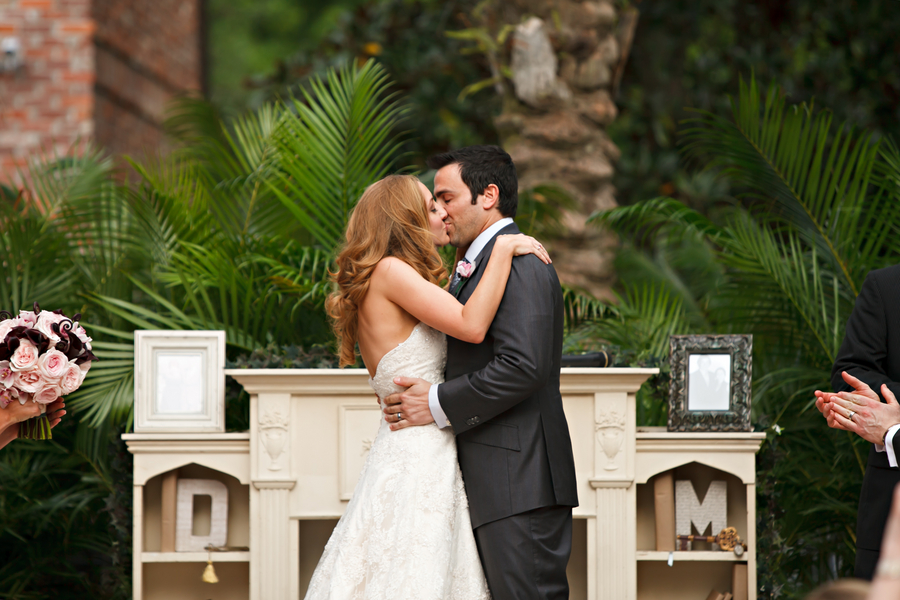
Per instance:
{"type": "Point", "coordinates": [468, 285]}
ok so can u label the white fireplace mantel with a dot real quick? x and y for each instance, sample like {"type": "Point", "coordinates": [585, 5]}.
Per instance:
{"type": "Point", "coordinates": [310, 430]}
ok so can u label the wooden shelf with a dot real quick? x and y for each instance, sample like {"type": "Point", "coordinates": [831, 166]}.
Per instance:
{"type": "Point", "coordinates": [693, 556]}
{"type": "Point", "coordinates": [191, 557]}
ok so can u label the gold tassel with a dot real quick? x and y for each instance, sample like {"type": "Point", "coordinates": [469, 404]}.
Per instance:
{"type": "Point", "coordinates": [209, 573]}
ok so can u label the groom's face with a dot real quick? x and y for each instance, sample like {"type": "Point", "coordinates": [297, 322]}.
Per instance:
{"type": "Point", "coordinates": [464, 220]}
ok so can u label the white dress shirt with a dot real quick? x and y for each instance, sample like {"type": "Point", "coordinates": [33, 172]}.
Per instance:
{"type": "Point", "coordinates": [888, 445]}
{"type": "Point", "coordinates": [440, 417]}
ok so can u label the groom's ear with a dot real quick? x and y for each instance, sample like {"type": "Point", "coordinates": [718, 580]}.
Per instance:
{"type": "Point", "coordinates": [490, 197]}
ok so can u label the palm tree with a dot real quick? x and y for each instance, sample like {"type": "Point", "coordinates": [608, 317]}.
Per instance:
{"type": "Point", "coordinates": [783, 260]}
{"type": "Point", "coordinates": [557, 68]}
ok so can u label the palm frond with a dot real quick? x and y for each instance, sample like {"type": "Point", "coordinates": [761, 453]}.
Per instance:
{"type": "Point", "coordinates": [777, 286]}
{"type": "Point", "coordinates": [815, 176]}
{"type": "Point", "coordinates": [338, 142]}
{"type": "Point", "coordinates": [644, 219]}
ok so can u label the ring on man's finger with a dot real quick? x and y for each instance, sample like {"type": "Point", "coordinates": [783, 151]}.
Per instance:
{"type": "Point", "coordinates": [850, 416]}
{"type": "Point", "coordinates": [399, 417]}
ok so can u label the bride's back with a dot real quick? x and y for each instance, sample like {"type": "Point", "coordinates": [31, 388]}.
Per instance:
{"type": "Point", "coordinates": [382, 323]}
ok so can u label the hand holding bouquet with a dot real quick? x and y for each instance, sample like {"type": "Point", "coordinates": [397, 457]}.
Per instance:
{"type": "Point", "coordinates": [43, 355]}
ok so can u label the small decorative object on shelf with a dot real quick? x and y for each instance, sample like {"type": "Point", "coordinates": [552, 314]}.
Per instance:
{"type": "Point", "coordinates": [188, 489]}
{"type": "Point", "coordinates": [599, 359]}
{"type": "Point", "coordinates": [664, 509]}
{"type": "Point", "coordinates": [179, 383]}
{"type": "Point", "coordinates": [727, 539]}
{"type": "Point", "coordinates": [44, 355]}
{"type": "Point", "coordinates": [209, 573]}
{"type": "Point", "coordinates": [688, 509]}
{"type": "Point", "coordinates": [710, 384]}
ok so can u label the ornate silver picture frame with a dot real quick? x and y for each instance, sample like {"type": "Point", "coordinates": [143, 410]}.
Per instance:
{"type": "Point", "coordinates": [179, 381]}
{"type": "Point", "coordinates": [709, 388]}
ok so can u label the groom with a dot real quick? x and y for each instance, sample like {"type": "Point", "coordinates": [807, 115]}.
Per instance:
{"type": "Point", "coordinates": [501, 396]}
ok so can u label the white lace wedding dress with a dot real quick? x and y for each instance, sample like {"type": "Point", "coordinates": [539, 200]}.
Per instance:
{"type": "Point", "coordinates": [406, 534]}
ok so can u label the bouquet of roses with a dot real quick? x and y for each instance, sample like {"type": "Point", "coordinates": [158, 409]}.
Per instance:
{"type": "Point", "coordinates": [43, 355]}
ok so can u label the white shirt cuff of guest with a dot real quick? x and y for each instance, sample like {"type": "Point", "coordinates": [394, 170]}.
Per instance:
{"type": "Point", "coordinates": [889, 445]}
{"type": "Point", "coordinates": [440, 417]}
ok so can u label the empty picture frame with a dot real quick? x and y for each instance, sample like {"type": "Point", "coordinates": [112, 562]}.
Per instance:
{"type": "Point", "coordinates": [709, 388]}
{"type": "Point", "coordinates": [179, 381]}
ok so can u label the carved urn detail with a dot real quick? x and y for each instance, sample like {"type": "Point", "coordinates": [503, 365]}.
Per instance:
{"type": "Point", "coordinates": [273, 430]}
{"type": "Point", "coordinates": [610, 430]}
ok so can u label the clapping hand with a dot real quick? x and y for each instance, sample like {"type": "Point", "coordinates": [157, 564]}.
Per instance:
{"type": "Point", "coordinates": [861, 411]}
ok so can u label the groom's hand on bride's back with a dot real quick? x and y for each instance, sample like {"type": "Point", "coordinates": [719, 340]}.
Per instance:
{"type": "Point", "coordinates": [411, 404]}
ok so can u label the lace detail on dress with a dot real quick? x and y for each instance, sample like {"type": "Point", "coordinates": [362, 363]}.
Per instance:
{"type": "Point", "coordinates": [406, 533]}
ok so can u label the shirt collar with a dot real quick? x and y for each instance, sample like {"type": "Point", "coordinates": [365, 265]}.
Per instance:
{"type": "Point", "coordinates": [484, 237]}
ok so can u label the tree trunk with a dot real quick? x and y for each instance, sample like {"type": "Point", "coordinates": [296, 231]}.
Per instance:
{"type": "Point", "coordinates": [566, 59]}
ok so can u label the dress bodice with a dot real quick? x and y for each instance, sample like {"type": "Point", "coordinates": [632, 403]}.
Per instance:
{"type": "Point", "coordinates": [423, 355]}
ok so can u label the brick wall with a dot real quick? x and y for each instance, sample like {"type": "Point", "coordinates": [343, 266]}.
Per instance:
{"type": "Point", "coordinates": [95, 69]}
{"type": "Point", "coordinates": [49, 102]}
{"type": "Point", "coordinates": [147, 52]}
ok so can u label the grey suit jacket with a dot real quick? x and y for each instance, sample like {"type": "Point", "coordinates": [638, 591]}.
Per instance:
{"type": "Point", "coordinates": [502, 397]}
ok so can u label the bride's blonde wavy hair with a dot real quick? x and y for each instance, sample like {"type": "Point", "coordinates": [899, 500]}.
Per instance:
{"type": "Point", "coordinates": [390, 219]}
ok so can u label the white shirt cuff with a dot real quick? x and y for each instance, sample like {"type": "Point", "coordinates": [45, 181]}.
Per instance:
{"type": "Point", "coordinates": [440, 417]}
{"type": "Point", "coordinates": [889, 445]}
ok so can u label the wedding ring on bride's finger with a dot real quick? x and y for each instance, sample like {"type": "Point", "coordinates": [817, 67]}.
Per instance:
{"type": "Point", "coordinates": [399, 417]}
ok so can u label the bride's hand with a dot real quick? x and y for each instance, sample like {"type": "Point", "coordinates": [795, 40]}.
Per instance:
{"type": "Point", "coordinates": [15, 413]}
{"type": "Point", "coordinates": [522, 244]}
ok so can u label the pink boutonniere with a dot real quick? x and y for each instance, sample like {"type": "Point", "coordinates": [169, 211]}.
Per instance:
{"type": "Point", "coordinates": [465, 269]}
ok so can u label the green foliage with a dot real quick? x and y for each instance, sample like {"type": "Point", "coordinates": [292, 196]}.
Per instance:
{"type": "Point", "coordinates": [688, 54]}
{"type": "Point", "coordinates": [64, 522]}
{"type": "Point", "coordinates": [219, 217]}
{"type": "Point", "coordinates": [340, 142]}
{"type": "Point", "coordinates": [784, 262]}
{"type": "Point", "coordinates": [409, 38]}
{"type": "Point", "coordinates": [249, 38]}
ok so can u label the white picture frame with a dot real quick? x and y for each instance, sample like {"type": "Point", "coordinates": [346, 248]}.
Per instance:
{"type": "Point", "coordinates": [179, 381]}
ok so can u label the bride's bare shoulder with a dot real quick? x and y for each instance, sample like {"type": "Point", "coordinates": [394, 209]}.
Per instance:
{"type": "Point", "coordinates": [391, 267]}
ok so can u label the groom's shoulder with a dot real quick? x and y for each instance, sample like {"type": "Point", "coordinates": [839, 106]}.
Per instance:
{"type": "Point", "coordinates": [887, 273]}
{"type": "Point", "coordinates": [532, 270]}
{"type": "Point", "coordinates": [884, 282]}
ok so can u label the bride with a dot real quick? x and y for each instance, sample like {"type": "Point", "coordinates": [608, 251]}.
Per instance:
{"type": "Point", "coordinates": [406, 532]}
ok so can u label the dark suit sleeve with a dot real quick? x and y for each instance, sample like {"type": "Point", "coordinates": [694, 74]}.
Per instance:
{"type": "Point", "coordinates": [523, 345]}
{"type": "Point", "coordinates": [864, 350]}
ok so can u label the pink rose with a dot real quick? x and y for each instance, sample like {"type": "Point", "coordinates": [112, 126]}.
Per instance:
{"type": "Point", "coordinates": [45, 323]}
{"type": "Point", "coordinates": [29, 381]}
{"type": "Point", "coordinates": [7, 375]}
{"type": "Point", "coordinates": [465, 269]}
{"type": "Point", "coordinates": [5, 326]}
{"type": "Point", "coordinates": [52, 364]}
{"type": "Point", "coordinates": [46, 394]}
{"type": "Point", "coordinates": [25, 357]}
{"type": "Point", "coordinates": [72, 379]}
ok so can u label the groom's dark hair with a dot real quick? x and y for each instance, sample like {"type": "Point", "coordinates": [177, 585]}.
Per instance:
{"type": "Point", "coordinates": [479, 167]}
